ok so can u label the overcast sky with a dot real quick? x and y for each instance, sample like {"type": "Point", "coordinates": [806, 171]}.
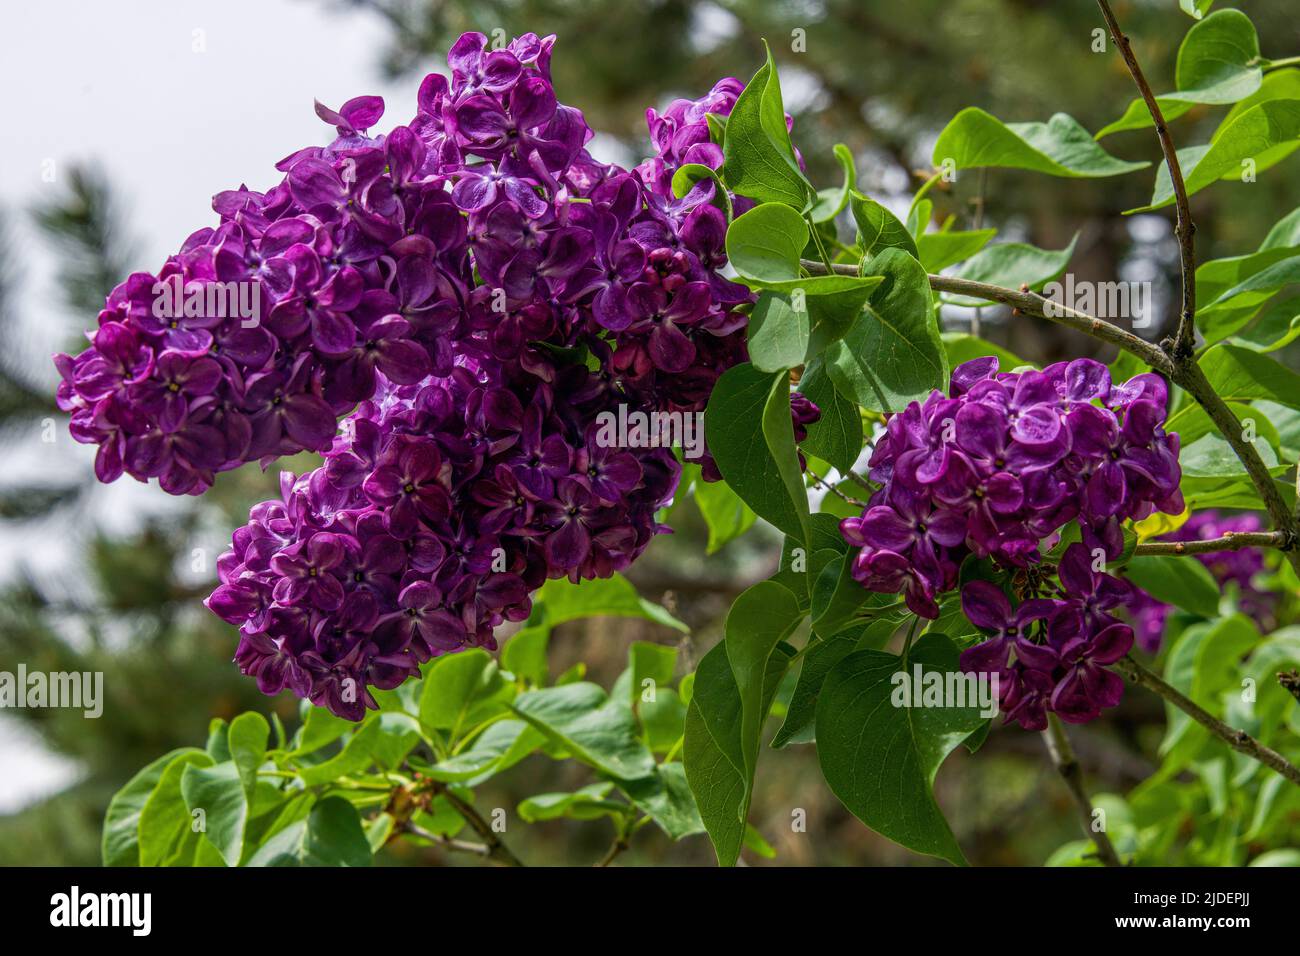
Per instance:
{"type": "Point", "coordinates": [177, 100]}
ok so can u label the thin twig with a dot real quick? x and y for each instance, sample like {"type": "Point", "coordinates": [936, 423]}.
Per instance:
{"type": "Point", "coordinates": [620, 845]}
{"type": "Point", "coordinates": [497, 851]}
{"type": "Point", "coordinates": [1232, 541]}
{"type": "Point", "coordinates": [821, 482]}
{"type": "Point", "coordinates": [1067, 765]}
{"type": "Point", "coordinates": [1184, 228]}
{"type": "Point", "coordinates": [446, 842]}
{"type": "Point", "coordinates": [1238, 740]}
{"type": "Point", "coordinates": [1034, 304]}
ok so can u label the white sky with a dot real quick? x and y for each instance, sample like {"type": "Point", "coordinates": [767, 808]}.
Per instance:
{"type": "Point", "coordinates": [123, 83]}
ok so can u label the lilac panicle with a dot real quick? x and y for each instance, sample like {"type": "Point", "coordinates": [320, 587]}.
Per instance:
{"type": "Point", "coordinates": [994, 470]}
{"type": "Point", "coordinates": [466, 293]}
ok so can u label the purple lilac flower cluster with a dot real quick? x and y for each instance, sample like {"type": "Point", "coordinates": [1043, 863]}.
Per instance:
{"type": "Point", "coordinates": [1238, 568]}
{"type": "Point", "coordinates": [995, 469]}
{"type": "Point", "coordinates": [497, 288]}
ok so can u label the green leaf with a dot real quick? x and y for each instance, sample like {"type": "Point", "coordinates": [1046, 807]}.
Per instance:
{"type": "Point", "coordinates": [1277, 85]}
{"type": "Point", "coordinates": [752, 440]}
{"type": "Point", "coordinates": [218, 745]}
{"type": "Point", "coordinates": [1193, 423]}
{"type": "Point", "coordinates": [1257, 130]}
{"type": "Point", "coordinates": [712, 752]}
{"type": "Point", "coordinates": [1011, 264]}
{"type": "Point", "coordinates": [1275, 326]}
{"type": "Point", "coordinates": [499, 747]}
{"type": "Point", "coordinates": [319, 728]}
{"type": "Point", "coordinates": [662, 719]}
{"type": "Point", "coordinates": [761, 617]}
{"type": "Point", "coordinates": [1059, 147]}
{"type": "Point", "coordinates": [120, 845]}
{"type": "Point", "coordinates": [1218, 63]}
{"type": "Point", "coordinates": [1219, 654]}
{"type": "Point", "coordinates": [760, 161]}
{"type": "Point", "coordinates": [331, 835]}
{"type": "Point", "coordinates": [893, 354]}
{"type": "Point", "coordinates": [249, 733]}
{"type": "Point", "coordinates": [800, 718]}
{"type": "Point", "coordinates": [725, 514]}
{"type": "Point", "coordinates": [879, 757]}
{"type": "Point", "coordinates": [525, 655]}
{"type": "Point", "coordinates": [219, 792]}
{"type": "Point", "coordinates": [667, 798]}
{"type": "Point", "coordinates": [939, 250]}
{"type": "Point", "coordinates": [649, 662]}
{"type": "Point", "coordinates": [765, 243]}
{"type": "Point", "coordinates": [837, 596]}
{"type": "Point", "coordinates": [595, 729]}
{"type": "Point", "coordinates": [462, 689]}
{"type": "Point", "coordinates": [560, 600]}
{"type": "Point", "coordinates": [1195, 8]}
{"type": "Point", "coordinates": [357, 754]}
{"type": "Point", "coordinates": [833, 309]}
{"type": "Point", "coordinates": [690, 175]}
{"type": "Point", "coordinates": [777, 333]}
{"type": "Point", "coordinates": [1240, 375]}
{"type": "Point", "coordinates": [878, 228]}
{"type": "Point", "coordinates": [1212, 457]}
{"type": "Point", "coordinates": [165, 821]}
{"type": "Point", "coordinates": [588, 803]}
{"type": "Point", "coordinates": [1263, 284]}
{"type": "Point", "coordinates": [1283, 857]}
{"type": "Point", "coordinates": [1177, 581]}
{"type": "Point", "coordinates": [836, 437]}
{"type": "Point", "coordinates": [831, 202]}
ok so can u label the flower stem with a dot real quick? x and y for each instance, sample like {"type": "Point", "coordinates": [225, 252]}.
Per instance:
{"type": "Point", "coordinates": [1067, 765]}
{"type": "Point", "coordinates": [1232, 541]}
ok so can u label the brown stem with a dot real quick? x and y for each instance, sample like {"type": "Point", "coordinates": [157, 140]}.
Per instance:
{"type": "Point", "coordinates": [1033, 304]}
{"type": "Point", "coordinates": [497, 851]}
{"type": "Point", "coordinates": [1238, 740]}
{"type": "Point", "coordinates": [1067, 765]}
{"type": "Point", "coordinates": [1187, 373]}
{"type": "Point", "coordinates": [1184, 228]}
{"type": "Point", "coordinates": [620, 845]}
{"type": "Point", "coordinates": [1232, 541]}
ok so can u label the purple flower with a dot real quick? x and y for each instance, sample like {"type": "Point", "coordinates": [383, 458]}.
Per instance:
{"type": "Point", "coordinates": [1087, 687]}
{"type": "Point", "coordinates": [989, 610]}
